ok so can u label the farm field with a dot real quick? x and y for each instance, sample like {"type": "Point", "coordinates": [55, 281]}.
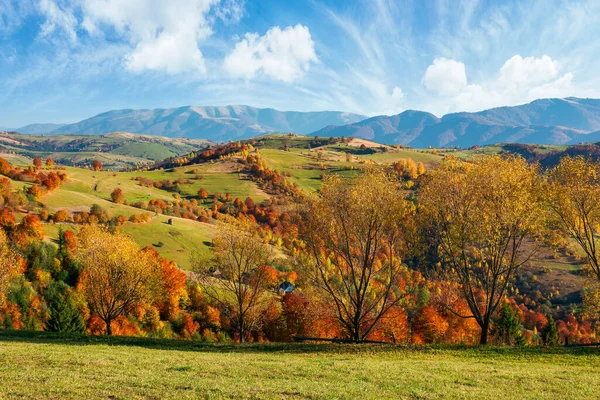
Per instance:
{"type": "Point", "coordinates": [42, 365]}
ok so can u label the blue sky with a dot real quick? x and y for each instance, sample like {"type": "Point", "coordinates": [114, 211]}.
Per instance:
{"type": "Point", "coordinates": [66, 60]}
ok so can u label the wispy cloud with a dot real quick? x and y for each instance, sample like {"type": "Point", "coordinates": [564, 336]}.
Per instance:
{"type": "Point", "coordinates": [370, 57]}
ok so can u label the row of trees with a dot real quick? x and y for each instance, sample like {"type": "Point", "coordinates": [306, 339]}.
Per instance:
{"type": "Point", "coordinates": [483, 220]}
{"type": "Point", "coordinates": [373, 261]}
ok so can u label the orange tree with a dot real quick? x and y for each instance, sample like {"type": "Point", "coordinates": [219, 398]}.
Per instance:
{"type": "Point", "coordinates": [355, 240]}
{"type": "Point", "coordinates": [8, 264]}
{"type": "Point", "coordinates": [117, 196]}
{"type": "Point", "coordinates": [482, 213]}
{"type": "Point", "coordinates": [116, 274]}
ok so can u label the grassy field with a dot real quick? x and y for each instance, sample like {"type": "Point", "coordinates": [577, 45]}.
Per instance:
{"type": "Point", "coordinates": [175, 242]}
{"type": "Point", "coordinates": [42, 365]}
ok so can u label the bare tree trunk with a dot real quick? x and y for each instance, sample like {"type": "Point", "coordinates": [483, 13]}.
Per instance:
{"type": "Point", "coordinates": [109, 327]}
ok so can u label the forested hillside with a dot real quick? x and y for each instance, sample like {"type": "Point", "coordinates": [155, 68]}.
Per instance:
{"type": "Point", "coordinates": [301, 211]}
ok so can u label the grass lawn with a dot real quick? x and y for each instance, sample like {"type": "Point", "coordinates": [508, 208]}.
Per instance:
{"type": "Point", "coordinates": [41, 365]}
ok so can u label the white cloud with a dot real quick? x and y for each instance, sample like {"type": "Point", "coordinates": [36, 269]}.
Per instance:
{"type": "Point", "coordinates": [529, 70]}
{"type": "Point", "coordinates": [520, 80]}
{"type": "Point", "coordinates": [165, 34]}
{"type": "Point", "coordinates": [560, 87]}
{"type": "Point", "coordinates": [57, 17]}
{"type": "Point", "coordinates": [445, 77]}
{"type": "Point", "coordinates": [230, 11]}
{"type": "Point", "coordinates": [284, 55]}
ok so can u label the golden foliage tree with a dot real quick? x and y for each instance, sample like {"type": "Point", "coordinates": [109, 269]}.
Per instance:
{"type": "Point", "coordinates": [482, 214]}
{"type": "Point", "coordinates": [355, 237]}
{"type": "Point", "coordinates": [235, 276]}
{"type": "Point", "coordinates": [116, 275]}
{"type": "Point", "coordinates": [574, 198]}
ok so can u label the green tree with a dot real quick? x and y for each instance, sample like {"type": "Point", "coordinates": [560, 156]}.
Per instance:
{"type": "Point", "coordinates": [507, 329]}
{"type": "Point", "coordinates": [65, 317]}
{"type": "Point", "coordinates": [549, 334]}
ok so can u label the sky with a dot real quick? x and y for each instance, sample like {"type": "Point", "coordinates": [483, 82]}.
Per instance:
{"type": "Point", "coordinates": [66, 60]}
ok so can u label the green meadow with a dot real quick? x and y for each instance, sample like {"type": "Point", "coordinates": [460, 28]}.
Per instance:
{"type": "Point", "coordinates": [39, 365]}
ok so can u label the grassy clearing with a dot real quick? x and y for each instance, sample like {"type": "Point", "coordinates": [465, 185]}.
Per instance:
{"type": "Point", "coordinates": [175, 242]}
{"type": "Point", "coordinates": [41, 365]}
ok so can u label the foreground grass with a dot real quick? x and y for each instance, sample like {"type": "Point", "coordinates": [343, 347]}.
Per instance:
{"type": "Point", "coordinates": [42, 365]}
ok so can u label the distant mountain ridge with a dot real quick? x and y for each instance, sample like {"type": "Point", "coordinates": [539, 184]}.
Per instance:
{"type": "Point", "coordinates": [35, 129]}
{"type": "Point", "coordinates": [545, 121]}
{"type": "Point", "coordinates": [213, 123]}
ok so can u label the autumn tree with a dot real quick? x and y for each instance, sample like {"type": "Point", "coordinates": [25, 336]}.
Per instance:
{"type": "Point", "coordinates": [4, 166]}
{"type": "Point", "coordinates": [235, 276]}
{"type": "Point", "coordinates": [574, 198]}
{"type": "Point", "coordinates": [116, 274]}
{"type": "Point", "coordinates": [37, 162]}
{"type": "Point", "coordinates": [355, 236]}
{"type": "Point", "coordinates": [62, 215]}
{"type": "Point", "coordinates": [202, 194]}
{"type": "Point", "coordinates": [482, 214]}
{"type": "Point", "coordinates": [29, 230]}
{"type": "Point", "coordinates": [8, 264]}
{"type": "Point", "coordinates": [117, 196]}
{"type": "Point", "coordinates": [35, 191]}
{"type": "Point", "coordinates": [49, 162]}
{"type": "Point", "coordinates": [97, 165]}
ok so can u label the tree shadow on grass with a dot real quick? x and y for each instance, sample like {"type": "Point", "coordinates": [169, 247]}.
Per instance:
{"type": "Point", "coordinates": [38, 337]}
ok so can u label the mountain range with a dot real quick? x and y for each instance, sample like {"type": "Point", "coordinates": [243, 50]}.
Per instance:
{"type": "Point", "coordinates": [218, 124]}
{"type": "Point", "coordinates": [545, 121]}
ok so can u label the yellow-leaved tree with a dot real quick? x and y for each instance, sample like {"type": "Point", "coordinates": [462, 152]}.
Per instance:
{"type": "Point", "coordinates": [574, 198]}
{"type": "Point", "coordinates": [116, 275]}
{"type": "Point", "coordinates": [485, 215]}
{"type": "Point", "coordinates": [355, 240]}
{"type": "Point", "coordinates": [235, 275]}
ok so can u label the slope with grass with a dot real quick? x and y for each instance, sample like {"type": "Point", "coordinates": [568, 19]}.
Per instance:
{"type": "Point", "coordinates": [115, 150]}
{"type": "Point", "coordinates": [42, 365]}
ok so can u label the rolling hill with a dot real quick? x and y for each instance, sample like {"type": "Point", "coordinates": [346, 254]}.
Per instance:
{"type": "Point", "coordinates": [545, 121]}
{"type": "Point", "coordinates": [115, 150]}
{"type": "Point", "coordinates": [218, 124]}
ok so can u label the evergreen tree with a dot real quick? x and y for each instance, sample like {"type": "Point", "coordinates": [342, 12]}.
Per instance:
{"type": "Point", "coordinates": [508, 327]}
{"type": "Point", "coordinates": [549, 334]}
{"type": "Point", "coordinates": [64, 315]}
